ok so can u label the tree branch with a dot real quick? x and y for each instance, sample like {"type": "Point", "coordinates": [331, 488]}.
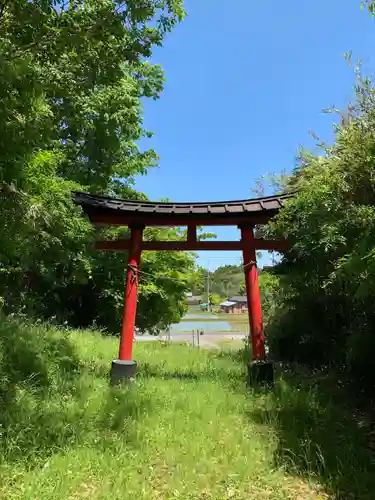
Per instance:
{"type": "Point", "coordinates": [2, 8]}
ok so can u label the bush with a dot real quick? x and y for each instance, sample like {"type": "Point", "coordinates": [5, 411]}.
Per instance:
{"type": "Point", "coordinates": [325, 313]}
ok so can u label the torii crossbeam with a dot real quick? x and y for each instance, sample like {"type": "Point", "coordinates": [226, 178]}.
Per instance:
{"type": "Point", "coordinates": [245, 214]}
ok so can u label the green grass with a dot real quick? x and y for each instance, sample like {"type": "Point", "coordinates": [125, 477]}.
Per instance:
{"type": "Point", "coordinates": [230, 344]}
{"type": "Point", "coordinates": [187, 429]}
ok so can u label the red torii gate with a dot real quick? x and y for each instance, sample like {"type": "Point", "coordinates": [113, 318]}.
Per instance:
{"type": "Point", "coordinates": [245, 214]}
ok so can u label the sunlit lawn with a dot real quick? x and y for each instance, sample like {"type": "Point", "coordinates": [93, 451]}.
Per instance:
{"type": "Point", "coordinates": [188, 428]}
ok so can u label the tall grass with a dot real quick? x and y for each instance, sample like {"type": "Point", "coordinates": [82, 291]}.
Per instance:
{"type": "Point", "coordinates": [187, 429]}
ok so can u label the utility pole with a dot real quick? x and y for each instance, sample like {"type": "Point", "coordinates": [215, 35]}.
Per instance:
{"type": "Point", "coordinates": [208, 290]}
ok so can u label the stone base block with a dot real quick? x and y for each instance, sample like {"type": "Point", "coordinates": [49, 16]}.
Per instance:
{"type": "Point", "coordinates": [123, 371]}
{"type": "Point", "coordinates": [261, 372]}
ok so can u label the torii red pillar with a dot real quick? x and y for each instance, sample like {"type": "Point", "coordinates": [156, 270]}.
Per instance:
{"type": "Point", "coordinates": [253, 293]}
{"type": "Point", "coordinates": [125, 367]}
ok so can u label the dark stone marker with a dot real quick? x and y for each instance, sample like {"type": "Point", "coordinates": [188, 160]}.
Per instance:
{"type": "Point", "coordinates": [123, 371]}
{"type": "Point", "coordinates": [261, 372]}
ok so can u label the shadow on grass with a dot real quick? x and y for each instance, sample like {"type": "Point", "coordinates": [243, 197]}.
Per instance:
{"type": "Point", "coordinates": [151, 371]}
{"type": "Point", "coordinates": [32, 361]}
{"type": "Point", "coordinates": [45, 391]}
{"type": "Point", "coordinates": [216, 367]}
{"type": "Point", "coordinates": [242, 355]}
{"type": "Point", "coordinates": [124, 408]}
{"type": "Point", "coordinates": [322, 434]}
{"type": "Point", "coordinates": [320, 437]}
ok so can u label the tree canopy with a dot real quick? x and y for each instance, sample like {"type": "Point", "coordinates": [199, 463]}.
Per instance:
{"type": "Point", "coordinates": [73, 76]}
{"type": "Point", "coordinates": [325, 312]}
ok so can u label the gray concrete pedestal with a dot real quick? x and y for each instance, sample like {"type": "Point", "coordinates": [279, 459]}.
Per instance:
{"type": "Point", "coordinates": [123, 371]}
{"type": "Point", "coordinates": [261, 372]}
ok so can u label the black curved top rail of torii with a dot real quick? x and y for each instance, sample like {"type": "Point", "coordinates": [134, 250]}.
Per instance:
{"type": "Point", "coordinates": [103, 210]}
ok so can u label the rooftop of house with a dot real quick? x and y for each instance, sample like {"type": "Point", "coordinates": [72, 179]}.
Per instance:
{"type": "Point", "coordinates": [227, 303]}
{"type": "Point", "coordinates": [238, 298]}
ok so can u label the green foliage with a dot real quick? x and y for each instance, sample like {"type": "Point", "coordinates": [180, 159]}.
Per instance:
{"type": "Point", "coordinates": [215, 299]}
{"type": "Point", "coordinates": [227, 280]}
{"type": "Point", "coordinates": [197, 281]}
{"type": "Point", "coordinates": [72, 78]}
{"type": "Point", "coordinates": [163, 287]}
{"type": "Point", "coordinates": [370, 5]}
{"type": "Point", "coordinates": [269, 285]}
{"type": "Point", "coordinates": [79, 73]}
{"type": "Point", "coordinates": [326, 312]}
{"type": "Point", "coordinates": [65, 434]}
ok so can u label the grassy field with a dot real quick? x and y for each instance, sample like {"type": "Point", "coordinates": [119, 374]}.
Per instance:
{"type": "Point", "coordinates": [196, 311]}
{"type": "Point", "coordinates": [187, 429]}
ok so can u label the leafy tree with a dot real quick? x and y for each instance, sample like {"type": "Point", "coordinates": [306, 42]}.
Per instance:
{"type": "Point", "coordinates": [370, 5]}
{"type": "Point", "coordinates": [325, 313]}
{"type": "Point", "coordinates": [88, 73]}
{"type": "Point", "coordinates": [269, 285]}
{"type": "Point", "coordinates": [71, 82]}
{"type": "Point", "coordinates": [215, 299]}
{"type": "Point", "coordinates": [227, 280]}
{"type": "Point", "coordinates": [197, 281]}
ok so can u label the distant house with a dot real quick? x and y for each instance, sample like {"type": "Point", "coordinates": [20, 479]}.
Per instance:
{"type": "Point", "coordinates": [193, 300]}
{"type": "Point", "coordinates": [227, 306]}
{"type": "Point", "coordinates": [234, 305]}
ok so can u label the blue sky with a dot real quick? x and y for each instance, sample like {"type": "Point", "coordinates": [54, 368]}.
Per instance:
{"type": "Point", "coordinates": [246, 83]}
